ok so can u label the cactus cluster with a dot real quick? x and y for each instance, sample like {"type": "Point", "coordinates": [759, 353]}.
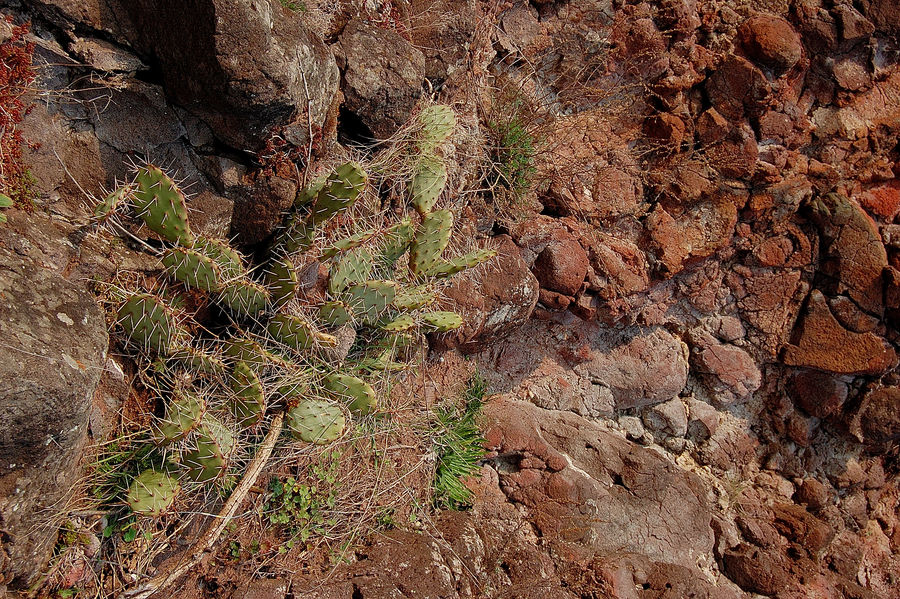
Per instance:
{"type": "Point", "coordinates": [279, 348]}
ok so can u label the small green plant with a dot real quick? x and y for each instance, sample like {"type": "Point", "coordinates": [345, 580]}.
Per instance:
{"type": "Point", "coordinates": [301, 508]}
{"type": "Point", "coordinates": [459, 446]}
{"type": "Point", "coordinates": [513, 145]}
{"type": "Point", "coordinates": [293, 5]}
{"type": "Point", "coordinates": [5, 202]}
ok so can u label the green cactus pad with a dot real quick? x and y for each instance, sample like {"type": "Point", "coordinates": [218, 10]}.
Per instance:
{"type": "Point", "coordinates": [437, 123]}
{"type": "Point", "coordinates": [306, 195]}
{"type": "Point", "coordinates": [192, 268]}
{"type": "Point", "coordinates": [403, 322]}
{"type": "Point", "coordinates": [297, 236]}
{"type": "Point", "coordinates": [441, 322]}
{"type": "Point", "coordinates": [112, 201]}
{"type": "Point", "coordinates": [396, 241]}
{"type": "Point", "coordinates": [282, 282]}
{"type": "Point", "coordinates": [431, 239]}
{"type": "Point", "coordinates": [349, 388]}
{"type": "Point", "coordinates": [152, 493]}
{"type": "Point", "coordinates": [249, 402]}
{"type": "Point", "coordinates": [427, 184]}
{"type": "Point", "coordinates": [408, 299]}
{"type": "Point", "coordinates": [208, 459]}
{"type": "Point", "coordinates": [182, 416]}
{"type": "Point", "coordinates": [371, 299]}
{"type": "Point", "coordinates": [335, 313]}
{"type": "Point", "coordinates": [197, 361]}
{"type": "Point", "coordinates": [162, 205]}
{"type": "Point", "coordinates": [150, 324]}
{"type": "Point", "coordinates": [348, 243]}
{"type": "Point", "coordinates": [353, 267]}
{"type": "Point", "coordinates": [244, 298]}
{"type": "Point", "coordinates": [315, 421]}
{"type": "Point", "coordinates": [229, 261]}
{"type": "Point", "coordinates": [297, 333]}
{"type": "Point", "coordinates": [339, 192]}
{"type": "Point", "coordinates": [448, 268]}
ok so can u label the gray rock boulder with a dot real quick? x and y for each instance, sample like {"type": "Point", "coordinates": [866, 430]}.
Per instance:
{"type": "Point", "coordinates": [54, 343]}
{"type": "Point", "coordinates": [382, 79]}
{"type": "Point", "coordinates": [242, 66]}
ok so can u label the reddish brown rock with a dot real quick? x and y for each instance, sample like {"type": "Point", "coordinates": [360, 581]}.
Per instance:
{"type": "Point", "coordinates": [738, 89]}
{"type": "Point", "coordinates": [801, 527]}
{"type": "Point", "coordinates": [727, 370]}
{"type": "Point", "coordinates": [382, 77]}
{"type": "Point", "coordinates": [813, 494]}
{"type": "Point", "coordinates": [620, 267]}
{"type": "Point", "coordinates": [882, 200]}
{"type": "Point", "coordinates": [822, 343]}
{"type": "Point", "coordinates": [757, 570]}
{"type": "Point", "coordinates": [494, 302]}
{"type": "Point", "coordinates": [855, 257]}
{"type": "Point", "coordinates": [666, 129]}
{"type": "Point", "coordinates": [730, 148]}
{"type": "Point", "coordinates": [818, 393]}
{"type": "Point", "coordinates": [562, 265]}
{"type": "Point", "coordinates": [771, 42]}
{"type": "Point", "coordinates": [877, 420]}
{"type": "Point", "coordinates": [766, 301]}
{"type": "Point", "coordinates": [610, 492]}
{"type": "Point", "coordinates": [696, 233]}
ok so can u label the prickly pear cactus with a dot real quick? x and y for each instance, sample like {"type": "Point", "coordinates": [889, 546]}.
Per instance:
{"type": "Point", "coordinates": [271, 341]}
{"type": "Point", "coordinates": [152, 493]}
{"type": "Point", "coordinates": [316, 421]}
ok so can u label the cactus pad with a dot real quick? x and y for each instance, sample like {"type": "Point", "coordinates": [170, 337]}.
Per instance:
{"type": "Point", "coordinates": [371, 299]}
{"type": "Point", "coordinates": [316, 421]}
{"type": "Point", "coordinates": [162, 205]}
{"type": "Point", "coordinates": [152, 493]}
{"type": "Point", "coordinates": [339, 192]}
{"type": "Point", "coordinates": [352, 267]}
{"type": "Point", "coordinates": [403, 322]}
{"type": "Point", "coordinates": [396, 241]}
{"type": "Point", "coordinates": [335, 313]}
{"type": "Point", "coordinates": [309, 193]}
{"type": "Point", "coordinates": [112, 201]}
{"type": "Point", "coordinates": [448, 268]}
{"type": "Point", "coordinates": [208, 459]}
{"type": "Point", "coordinates": [229, 261]}
{"type": "Point", "coordinates": [297, 236]}
{"type": "Point", "coordinates": [348, 243]}
{"type": "Point", "coordinates": [150, 324]}
{"type": "Point", "coordinates": [244, 298]}
{"type": "Point", "coordinates": [437, 123]}
{"type": "Point", "coordinates": [182, 416]}
{"type": "Point", "coordinates": [441, 322]}
{"type": "Point", "coordinates": [296, 333]}
{"type": "Point", "coordinates": [281, 282]}
{"type": "Point", "coordinates": [408, 299]}
{"type": "Point", "coordinates": [192, 268]}
{"type": "Point", "coordinates": [197, 361]}
{"type": "Point", "coordinates": [249, 402]}
{"type": "Point", "coordinates": [431, 239]}
{"type": "Point", "coordinates": [359, 393]}
{"type": "Point", "coordinates": [427, 184]}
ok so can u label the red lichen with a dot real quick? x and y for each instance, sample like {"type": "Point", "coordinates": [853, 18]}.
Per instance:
{"type": "Point", "coordinates": [16, 75]}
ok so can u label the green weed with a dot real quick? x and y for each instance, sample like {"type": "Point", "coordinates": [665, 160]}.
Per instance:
{"type": "Point", "coordinates": [301, 509]}
{"type": "Point", "coordinates": [459, 446]}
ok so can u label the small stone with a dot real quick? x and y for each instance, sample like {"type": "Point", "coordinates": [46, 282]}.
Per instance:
{"type": "Point", "coordinates": [703, 419]}
{"type": "Point", "coordinates": [813, 494]}
{"type": "Point", "coordinates": [818, 393]}
{"type": "Point", "coordinates": [771, 41]}
{"type": "Point", "coordinates": [632, 426]}
{"type": "Point", "coordinates": [669, 417]}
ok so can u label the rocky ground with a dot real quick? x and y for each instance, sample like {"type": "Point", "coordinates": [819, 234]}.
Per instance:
{"type": "Point", "coordinates": [690, 331]}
